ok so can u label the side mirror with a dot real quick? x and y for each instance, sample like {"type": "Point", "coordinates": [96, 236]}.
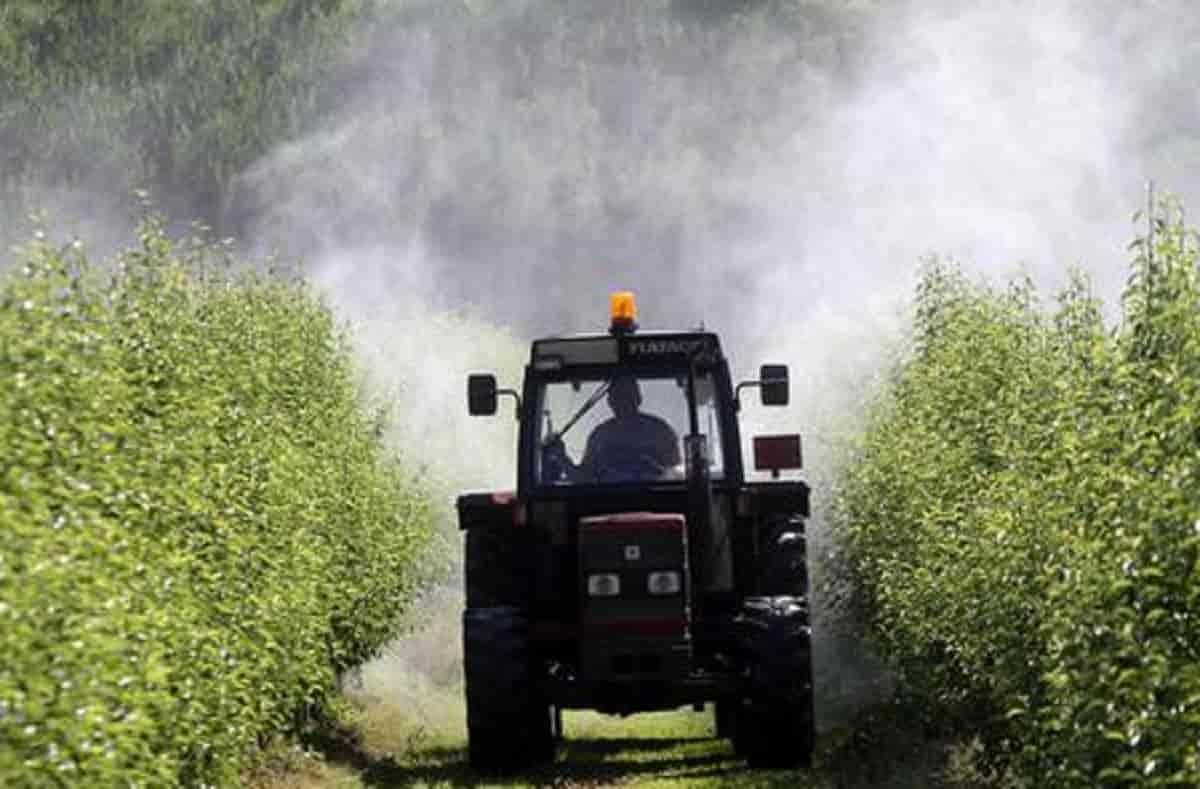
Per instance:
{"type": "Point", "coordinates": [481, 394]}
{"type": "Point", "coordinates": [774, 384]}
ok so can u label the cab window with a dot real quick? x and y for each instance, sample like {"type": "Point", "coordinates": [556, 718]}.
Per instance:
{"type": "Point", "coordinates": [621, 429]}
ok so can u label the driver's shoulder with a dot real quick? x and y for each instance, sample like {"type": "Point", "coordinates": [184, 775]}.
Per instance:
{"type": "Point", "coordinates": [606, 427]}
{"type": "Point", "coordinates": [604, 432]}
{"type": "Point", "coordinates": [655, 422]}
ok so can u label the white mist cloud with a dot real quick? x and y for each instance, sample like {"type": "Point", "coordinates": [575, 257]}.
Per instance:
{"type": "Point", "coordinates": [780, 186]}
{"type": "Point", "coordinates": [541, 159]}
{"type": "Point", "coordinates": [783, 188]}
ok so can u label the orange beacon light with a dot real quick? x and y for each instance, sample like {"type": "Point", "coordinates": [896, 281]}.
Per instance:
{"type": "Point", "coordinates": [624, 312]}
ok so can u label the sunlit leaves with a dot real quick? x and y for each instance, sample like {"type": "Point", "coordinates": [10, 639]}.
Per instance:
{"type": "Point", "coordinates": [199, 525]}
{"type": "Point", "coordinates": [1022, 519]}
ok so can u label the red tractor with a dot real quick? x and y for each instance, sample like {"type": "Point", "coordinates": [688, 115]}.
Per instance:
{"type": "Point", "coordinates": [635, 568]}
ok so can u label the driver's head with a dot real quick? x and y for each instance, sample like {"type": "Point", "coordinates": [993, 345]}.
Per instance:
{"type": "Point", "coordinates": [624, 396]}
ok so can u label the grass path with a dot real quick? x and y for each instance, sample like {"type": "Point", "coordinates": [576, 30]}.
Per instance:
{"type": "Point", "coordinates": [408, 735]}
{"type": "Point", "coordinates": [662, 750]}
{"type": "Point", "coordinates": [408, 729]}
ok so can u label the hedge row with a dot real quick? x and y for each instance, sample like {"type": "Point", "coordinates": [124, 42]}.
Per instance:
{"type": "Point", "coordinates": [199, 526]}
{"type": "Point", "coordinates": [1023, 519]}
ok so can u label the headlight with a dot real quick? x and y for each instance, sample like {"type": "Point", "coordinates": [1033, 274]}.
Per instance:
{"type": "Point", "coordinates": [604, 585]}
{"type": "Point", "coordinates": [665, 582]}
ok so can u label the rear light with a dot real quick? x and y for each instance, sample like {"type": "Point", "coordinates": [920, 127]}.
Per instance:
{"type": "Point", "coordinates": [665, 582]}
{"type": "Point", "coordinates": [604, 585]}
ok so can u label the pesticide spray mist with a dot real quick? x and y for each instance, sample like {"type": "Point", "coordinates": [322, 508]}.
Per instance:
{"type": "Point", "coordinates": [777, 175]}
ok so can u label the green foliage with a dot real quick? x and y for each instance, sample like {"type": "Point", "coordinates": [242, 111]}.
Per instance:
{"type": "Point", "coordinates": [176, 96]}
{"type": "Point", "coordinates": [200, 526]}
{"type": "Point", "coordinates": [181, 98]}
{"type": "Point", "coordinates": [1023, 519]}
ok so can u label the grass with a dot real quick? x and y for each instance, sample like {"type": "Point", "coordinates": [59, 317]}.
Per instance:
{"type": "Point", "coordinates": [405, 725]}
{"type": "Point", "coordinates": [384, 748]}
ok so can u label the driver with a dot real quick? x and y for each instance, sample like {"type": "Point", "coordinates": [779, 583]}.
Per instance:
{"type": "Point", "coordinates": [631, 444]}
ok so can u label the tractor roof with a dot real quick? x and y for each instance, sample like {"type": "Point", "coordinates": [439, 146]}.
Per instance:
{"type": "Point", "coordinates": [663, 347]}
{"type": "Point", "coordinates": [623, 344]}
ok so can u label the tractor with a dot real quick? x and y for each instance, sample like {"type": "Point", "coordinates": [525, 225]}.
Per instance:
{"type": "Point", "coordinates": [635, 568]}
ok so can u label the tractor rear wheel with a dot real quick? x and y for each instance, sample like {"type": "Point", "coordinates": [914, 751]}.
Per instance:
{"type": "Point", "coordinates": [774, 724]}
{"type": "Point", "coordinates": [510, 725]}
{"type": "Point", "coordinates": [497, 567]}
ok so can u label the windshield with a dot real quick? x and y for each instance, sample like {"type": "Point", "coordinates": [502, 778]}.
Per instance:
{"type": "Point", "coordinates": [622, 429]}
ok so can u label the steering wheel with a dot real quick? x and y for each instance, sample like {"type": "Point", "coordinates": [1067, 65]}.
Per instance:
{"type": "Point", "coordinates": [555, 462]}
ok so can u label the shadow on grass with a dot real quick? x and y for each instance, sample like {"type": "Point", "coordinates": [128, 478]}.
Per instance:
{"type": "Point", "coordinates": [581, 763]}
